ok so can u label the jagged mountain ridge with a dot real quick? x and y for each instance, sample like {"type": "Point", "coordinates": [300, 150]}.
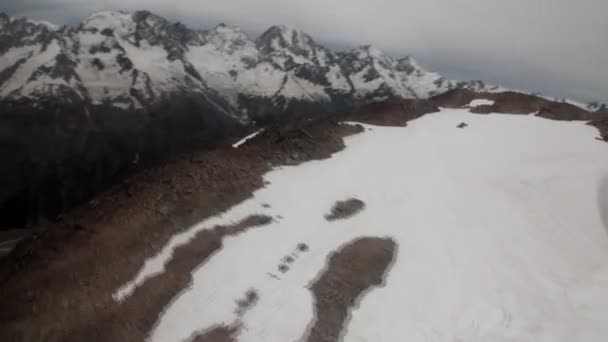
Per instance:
{"type": "Point", "coordinates": [134, 60]}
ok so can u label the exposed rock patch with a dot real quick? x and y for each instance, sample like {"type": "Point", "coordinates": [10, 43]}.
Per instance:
{"type": "Point", "coordinates": [228, 333]}
{"type": "Point", "coordinates": [288, 259]}
{"type": "Point", "coordinates": [217, 334]}
{"type": "Point", "coordinates": [302, 247]}
{"type": "Point", "coordinates": [345, 209]}
{"type": "Point", "coordinates": [601, 123]}
{"type": "Point", "coordinates": [246, 303]}
{"type": "Point", "coordinates": [352, 270]}
{"type": "Point", "coordinates": [132, 319]}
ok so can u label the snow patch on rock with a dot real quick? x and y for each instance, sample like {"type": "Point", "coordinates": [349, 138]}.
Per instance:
{"type": "Point", "coordinates": [481, 102]}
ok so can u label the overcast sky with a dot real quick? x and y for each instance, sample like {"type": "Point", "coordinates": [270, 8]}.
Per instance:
{"type": "Point", "coordinates": [557, 47]}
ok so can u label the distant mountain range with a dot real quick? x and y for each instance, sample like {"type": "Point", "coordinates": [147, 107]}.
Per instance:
{"type": "Point", "coordinates": [135, 60]}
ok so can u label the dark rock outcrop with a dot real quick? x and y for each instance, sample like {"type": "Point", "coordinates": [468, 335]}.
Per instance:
{"type": "Point", "coordinates": [512, 103]}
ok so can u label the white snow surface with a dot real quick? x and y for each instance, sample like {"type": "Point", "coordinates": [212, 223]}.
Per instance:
{"type": "Point", "coordinates": [499, 232]}
{"type": "Point", "coordinates": [247, 138]}
{"type": "Point", "coordinates": [481, 102]}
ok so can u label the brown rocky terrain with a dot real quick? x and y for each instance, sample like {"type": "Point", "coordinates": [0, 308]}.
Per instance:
{"type": "Point", "coordinates": [94, 316]}
{"type": "Point", "coordinates": [345, 209]}
{"type": "Point", "coordinates": [512, 103]}
{"type": "Point", "coordinates": [57, 284]}
{"type": "Point", "coordinates": [391, 113]}
{"type": "Point", "coordinates": [599, 120]}
{"type": "Point", "coordinates": [61, 280]}
{"type": "Point", "coordinates": [227, 333]}
{"type": "Point", "coordinates": [352, 270]}
{"type": "Point", "coordinates": [217, 334]}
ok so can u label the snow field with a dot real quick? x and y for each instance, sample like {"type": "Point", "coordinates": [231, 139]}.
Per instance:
{"type": "Point", "coordinates": [499, 233]}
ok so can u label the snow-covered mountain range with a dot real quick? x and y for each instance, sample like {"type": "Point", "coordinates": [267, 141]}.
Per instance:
{"type": "Point", "coordinates": [135, 60]}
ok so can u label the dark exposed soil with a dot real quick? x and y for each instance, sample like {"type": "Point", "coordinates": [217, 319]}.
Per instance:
{"type": "Point", "coordinates": [302, 247]}
{"type": "Point", "coordinates": [456, 98]}
{"type": "Point", "coordinates": [246, 303]}
{"type": "Point", "coordinates": [345, 209]}
{"type": "Point", "coordinates": [352, 270]}
{"type": "Point", "coordinates": [217, 334]}
{"type": "Point", "coordinates": [288, 259]}
{"type": "Point", "coordinates": [601, 123]}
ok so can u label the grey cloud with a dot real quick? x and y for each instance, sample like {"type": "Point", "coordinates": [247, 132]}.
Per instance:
{"type": "Point", "coordinates": [558, 47]}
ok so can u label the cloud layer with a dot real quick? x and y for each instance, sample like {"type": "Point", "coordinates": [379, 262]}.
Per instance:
{"type": "Point", "coordinates": [558, 47]}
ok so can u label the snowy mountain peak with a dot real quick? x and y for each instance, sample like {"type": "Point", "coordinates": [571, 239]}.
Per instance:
{"type": "Point", "coordinates": [281, 38]}
{"type": "Point", "coordinates": [139, 59]}
{"type": "Point", "coordinates": [224, 34]}
{"type": "Point", "coordinates": [288, 34]}
{"type": "Point", "coordinates": [369, 51]}
{"type": "Point", "coordinates": [112, 20]}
